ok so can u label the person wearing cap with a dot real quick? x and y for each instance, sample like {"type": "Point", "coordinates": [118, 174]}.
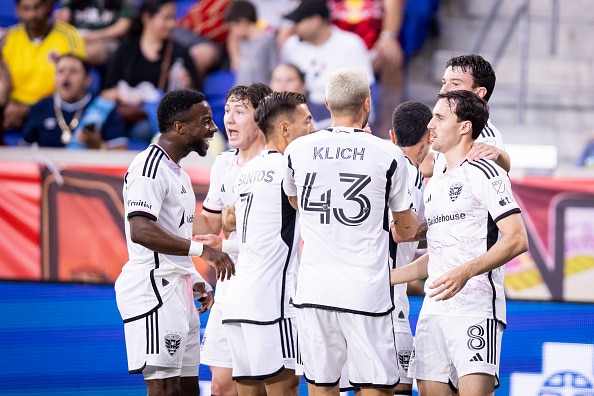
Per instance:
{"type": "Point", "coordinates": [319, 48]}
{"type": "Point", "coordinates": [378, 23]}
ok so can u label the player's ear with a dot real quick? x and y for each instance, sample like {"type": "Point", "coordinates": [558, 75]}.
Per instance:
{"type": "Point", "coordinates": [466, 127]}
{"type": "Point", "coordinates": [285, 129]}
{"type": "Point", "coordinates": [393, 137]}
{"type": "Point", "coordinates": [481, 91]}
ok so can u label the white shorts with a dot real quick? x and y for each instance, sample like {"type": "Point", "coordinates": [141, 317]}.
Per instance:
{"type": "Point", "coordinates": [168, 337]}
{"type": "Point", "coordinates": [215, 350]}
{"type": "Point", "coordinates": [449, 347]}
{"type": "Point", "coordinates": [262, 351]}
{"type": "Point", "coordinates": [370, 354]}
{"type": "Point", "coordinates": [404, 346]}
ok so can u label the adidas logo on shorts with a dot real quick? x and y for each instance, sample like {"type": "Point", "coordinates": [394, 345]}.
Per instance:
{"type": "Point", "coordinates": [476, 358]}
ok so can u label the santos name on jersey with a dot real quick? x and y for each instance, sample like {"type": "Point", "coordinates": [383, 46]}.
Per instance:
{"type": "Point", "coordinates": [269, 242]}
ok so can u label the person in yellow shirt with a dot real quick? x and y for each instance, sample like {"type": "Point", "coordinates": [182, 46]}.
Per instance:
{"type": "Point", "coordinates": [29, 52]}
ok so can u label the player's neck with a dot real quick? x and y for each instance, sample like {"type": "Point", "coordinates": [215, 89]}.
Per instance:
{"type": "Point", "coordinates": [346, 121]}
{"type": "Point", "coordinates": [457, 154]}
{"type": "Point", "coordinates": [412, 152]}
{"type": "Point", "coordinates": [245, 155]}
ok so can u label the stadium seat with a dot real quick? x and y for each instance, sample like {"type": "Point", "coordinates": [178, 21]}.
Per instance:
{"type": "Point", "coordinates": [215, 88]}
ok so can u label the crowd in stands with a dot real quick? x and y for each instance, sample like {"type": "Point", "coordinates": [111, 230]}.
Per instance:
{"type": "Point", "coordinates": [89, 73]}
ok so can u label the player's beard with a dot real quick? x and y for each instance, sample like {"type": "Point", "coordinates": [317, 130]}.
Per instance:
{"type": "Point", "coordinates": [200, 146]}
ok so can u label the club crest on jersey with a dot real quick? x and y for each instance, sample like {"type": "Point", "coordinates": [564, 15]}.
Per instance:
{"type": "Point", "coordinates": [404, 358]}
{"type": "Point", "coordinates": [455, 190]}
{"type": "Point", "coordinates": [499, 186]}
{"type": "Point", "coordinates": [172, 343]}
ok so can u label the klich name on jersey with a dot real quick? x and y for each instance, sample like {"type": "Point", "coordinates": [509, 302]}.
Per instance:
{"type": "Point", "coordinates": [447, 217]}
{"type": "Point", "coordinates": [257, 176]}
{"type": "Point", "coordinates": [139, 203]}
{"type": "Point", "coordinates": [346, 153]}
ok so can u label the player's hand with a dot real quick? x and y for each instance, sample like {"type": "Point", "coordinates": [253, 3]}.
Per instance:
{"type": "Point", "coordinates": [220, 261]}
{"type": "Point", "coordinates": [480, 150]}
{"type": "Point", "coordinates": [214, 241]}
{"type": "Point", "coordinates": [205, 299]}
{"type": "Point", "coordinates": [449, 284]}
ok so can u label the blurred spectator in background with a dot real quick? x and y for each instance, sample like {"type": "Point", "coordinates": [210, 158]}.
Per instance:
{"type": "Point", "coordinates": [288, 77]}
{"type": "Point", "coordinates": [257, 54]}
{"type": "Point", "coordinates": [378, 23]}
{"type": "Point", "coordinates": [101, 23]}
{"type": "Point", "coordinates": [59, 119]}
{"type": "Point", "coordinates": [147, 64]}
{"type": "Point", "coordinates": [29, 52]}
{"type": "Point", "coordinates": [319, 48]}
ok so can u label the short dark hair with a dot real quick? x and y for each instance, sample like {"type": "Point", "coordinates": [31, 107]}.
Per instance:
{"type": "Point", "coordinates": [479, 68]}
{"type": "Point", "coordinates": [175, 106]}
{"type": "Point", "coordinates": [240, 9]}
{"type": "Point", "coordinates": [409, 121]}
{"type": "Point", "coordinates": [468, 106]}
{"type": "Point", "coordinates": [253, 93]}
{"type": "Point", "coordinates": [275, 105]}
{"type": "Point", "coordinates": [86, 65]}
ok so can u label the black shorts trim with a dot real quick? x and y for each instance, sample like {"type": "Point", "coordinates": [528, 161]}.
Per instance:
{"type": "Point", "coordinates": [338, 309]}
{"type": "Point", "coordinates": [259, 377]}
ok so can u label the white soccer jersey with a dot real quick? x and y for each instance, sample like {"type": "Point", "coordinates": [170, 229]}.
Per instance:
{"type": "Point", "coordinates": [463, 206]}
{"type": "Point", "coordinates": [403, 253]}
{"type": "Point", "coordinates": [489, 135]}
{"type": "Point", "coordinates": [223, 172]}
{"type": "Point", "coordinates": [319, 61]}
{"type": "Point", "coordinates": [345, 181]}
{"type": "Point", "coordinates": [220, 196]}
{"type": "Point", "coordinates": [158, 188]}
{"type": "Point", "coordinates": [269, 243]}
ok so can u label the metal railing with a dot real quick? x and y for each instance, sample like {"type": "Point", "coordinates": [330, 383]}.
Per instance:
{"type": "Point", "coordinates": [521, 19]}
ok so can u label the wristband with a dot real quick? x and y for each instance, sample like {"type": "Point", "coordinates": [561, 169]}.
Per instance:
{"type": "Point", "coordinates": [230, 246]}
{"type": "Point", "coordinates": [195, 249]}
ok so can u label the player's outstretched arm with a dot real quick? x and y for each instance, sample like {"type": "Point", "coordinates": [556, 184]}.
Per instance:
{"type": "Point", "coordinates": [513, 242]}
{"type": "Point", "coordinates": [418, 269]}
{"type": "Point", "coordinates": [207, 223]}
{"type": "Point", "coordinates": [151, 235]}
{"type": "Point", "coordinates": [404, 225]}
{"type": "Point", "coordinates": [218, 243]}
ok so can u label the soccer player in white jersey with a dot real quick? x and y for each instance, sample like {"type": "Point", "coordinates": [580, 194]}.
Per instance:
{"type": "Point", "coordinates": [472, 73]}
{"type": "Point", "coordinates": [246, 140]}
{"type": "Point", "coordinates": [156, 289]}
{"type": "Point", "coordinates": [259, 320]}
{"type": "Point", "coordinates": [344, 182]}
{"type": "Point", "coordinates": [410, 133]}
{"type": "Point", "coordinates": [475, 227]}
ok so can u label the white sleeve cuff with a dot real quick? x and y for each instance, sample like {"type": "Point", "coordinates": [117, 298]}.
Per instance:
{"type": "Point", "coordinates": [230, 246]}
{"type": "Point", "coordinates": [195, 249]}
